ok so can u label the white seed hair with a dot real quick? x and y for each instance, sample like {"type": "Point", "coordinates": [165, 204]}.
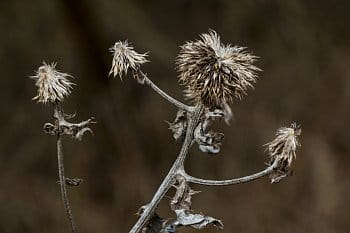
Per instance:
{"type": "Point", "coordinates": [283, 147]}
{"type": "Point", "coordinates": [52, 85]}
{"type": "Point", "coordinates": [125, 57]}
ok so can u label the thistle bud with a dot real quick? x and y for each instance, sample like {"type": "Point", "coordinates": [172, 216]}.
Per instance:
{"type": "Point", "coordinates": [214, 73]}
{"type": "Point", "coordinates": [125, 58]}
{"type": "Point", "coordinates": [283, 149]}
{"type": "Point", "coordinates": [52, 85]}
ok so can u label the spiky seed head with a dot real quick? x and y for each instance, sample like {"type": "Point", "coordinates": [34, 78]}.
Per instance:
{"type": "Point", "coordinates": [125, 58]}
{"type": "Point", "coordinates": [52, 85]}
{"type": "Point", "coordinates": [283, 147]}
{"type": "Point", "coordinates": [213, 72]}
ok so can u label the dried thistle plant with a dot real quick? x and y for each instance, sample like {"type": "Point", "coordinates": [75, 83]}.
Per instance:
{"type": "Point", "coordinates": [283, 150]}
{"type": "Point", "coordinates": [125, 57]}
{"type": "Point", "coordinates": [53, 87]}
{"type": "Point", "coordinates": [214, 75]}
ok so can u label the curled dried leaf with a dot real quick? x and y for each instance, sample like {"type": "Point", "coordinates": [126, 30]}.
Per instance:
{"type": "Point", "coordinates": [179, 126]}
{"type": "Point", "coordinates": [72, 181]}
{"type": "Point", "coordinates": [50, 129]}
{"type": "Point", "coordinates": [183, 195]}
{"type": "Point", "coordinates": [181, 205]}
{"type": "Point", "coordinates": [61, 126]}
{"type": "Point", "coordinates": [197, 221]}
{"type": "Point", "coordinates": [157, 225]}
{"type": "Point", "coordinates": [208, 142]}
{"type": "Point", "coordinates": [78, 130]}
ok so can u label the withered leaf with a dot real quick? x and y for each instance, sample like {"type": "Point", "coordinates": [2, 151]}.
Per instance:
{"type": "Point", "coordinates": [198, 221]}
{"type": "Point", "coordinates": [62, 126]}
{"type": "Point", "coordinates": [183, 195]}
{"type": "Point", "coordinates": [208, 142]}
{"type": "Point", "coordinates": [181, 205]}
{"type": "Point", "coordinates": [179, 126]}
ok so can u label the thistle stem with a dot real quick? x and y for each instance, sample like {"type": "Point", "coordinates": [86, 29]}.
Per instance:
{"type": "Point", "coordinates": [63, 186]}
{"type": "Point", "coordinates": [165, 95]}
{"type": "Point", "coordinates": [62, 178]}
{"type": "Point", "coordinates": [239, 180]}
{"type": "Point", "coordinates": [173, 172]}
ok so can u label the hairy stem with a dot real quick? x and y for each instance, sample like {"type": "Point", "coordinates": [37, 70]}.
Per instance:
{"type": "Point", "coordinates": [239, 180]}
{"type": "Point", "coordinates": [62, 178]}
{"type": "Point", "coordinates": [169, 179]}
{"type": "Point", "coordinates": [165, 95]}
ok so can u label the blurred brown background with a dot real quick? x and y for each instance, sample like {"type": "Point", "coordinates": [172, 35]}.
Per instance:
{"type": "Point", "coordinates": [305, 53]}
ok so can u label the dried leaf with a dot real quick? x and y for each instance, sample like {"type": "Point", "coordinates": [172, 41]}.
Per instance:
{"type": "Point", "coordinates": [181, 205]}
{"type": "Point", "coordinates": [62, 126]}
{"type": "Point", "coordinates": [208, 142]}
{"type": "Point", "coordinates": [50, 129]}
{"type": "Point", "coordinates": [72, 181]}
{"type": "Point", "coordinates": [179, 126]}
{"type": "Point", "coordinates": [183, 195]}
{"type": "Point", "coordinates": [198, 221]}
{"type": "Point", "coordinates": [156, 225]}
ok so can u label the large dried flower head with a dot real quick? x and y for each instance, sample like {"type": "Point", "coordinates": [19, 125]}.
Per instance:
{"type": "Point", "coordinates": [213, 72]}
{"type": "Point", "coordinates": [52, 85]}
{"type": "Point", "coordinates": [125, 57]}
{"type": "Point", "coordinates": [283, 147]}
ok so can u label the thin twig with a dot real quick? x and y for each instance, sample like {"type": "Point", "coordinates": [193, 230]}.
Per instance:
{"type": "Point", "coordinates": [169, 179]}
{"type": "Point", "coordinates": [165, 95]}
{"type": "Point", "coordinates": [62, 178]}
{"type": "Point", "coordinates": [239, 180]}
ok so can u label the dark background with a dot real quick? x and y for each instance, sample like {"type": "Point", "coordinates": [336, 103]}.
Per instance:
{"type": "Point", "coordinates": [305, 53]}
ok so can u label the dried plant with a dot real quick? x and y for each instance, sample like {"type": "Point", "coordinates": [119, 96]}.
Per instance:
{"type": "Point", "coordinates": [53, 87]}
{"type": "Point", "coordinates": [214, 75]}
{"type": "Point", "coordinates": [124, 57]}
{"type": "Point", "coordinates": [213, 72]}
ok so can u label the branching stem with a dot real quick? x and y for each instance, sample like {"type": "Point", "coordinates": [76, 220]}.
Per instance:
{"type": "Point", "coordinates": [62, 178]}
{"type": "Point", "coordinates": [165, 95]}
{"type": "Point", "coordinates": [169, 179]}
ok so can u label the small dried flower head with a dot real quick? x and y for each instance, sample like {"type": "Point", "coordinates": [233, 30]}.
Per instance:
{"type": "Point", "coordinates": [52, 85]}
{"type": "Point", "coordinates": [125, 57]}
{"type": "Point", "coordinates": [213, 72]}
{"type": "Point", "coordinates": [283, 147]}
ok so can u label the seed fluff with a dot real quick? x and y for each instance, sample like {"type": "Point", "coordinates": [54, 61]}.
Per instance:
{"type": "Point", "coordinates": [125, 57]}
{"type": "Point", "coordinates": [283, 147]}
{"type": "Point", "coordinates": [52, 85]}
{"type": "Point", "coordinates": [214, 73]}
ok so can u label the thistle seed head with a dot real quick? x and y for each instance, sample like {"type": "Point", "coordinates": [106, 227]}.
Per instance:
{"type": "Point", "coordinates": [283, 147]}
{"type": "Point", "coordinates": [213, 72]}
{"type": "Point", "coordinates": [125, 57]}
{"type": "Point", "coordinates": [52, 85]}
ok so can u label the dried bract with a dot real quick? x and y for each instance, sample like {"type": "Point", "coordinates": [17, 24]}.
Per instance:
{"type": "Point", "coordinates": [283, 149]}
{"type": "Point", "coordinates": [125, 57]}
{"type": "Point", "coordinates": [214, 73]}
{"type": "Point", "coordinates": [52, 85]}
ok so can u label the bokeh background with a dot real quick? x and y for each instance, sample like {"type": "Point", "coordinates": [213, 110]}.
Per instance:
{"type": "Point", "coordinates": [304, 50]}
